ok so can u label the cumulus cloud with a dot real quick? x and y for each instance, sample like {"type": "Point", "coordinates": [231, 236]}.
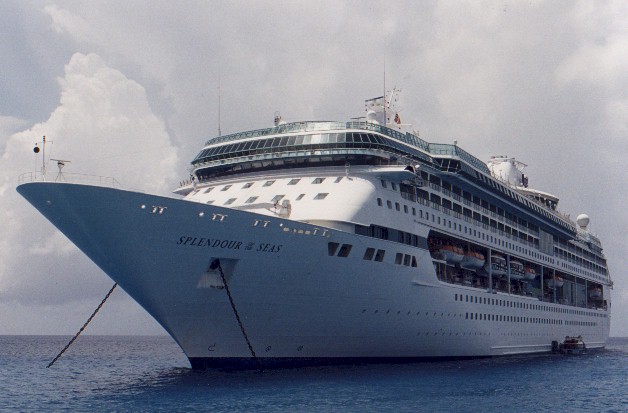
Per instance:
{"type": "Point", "coordinates": [104, 126]}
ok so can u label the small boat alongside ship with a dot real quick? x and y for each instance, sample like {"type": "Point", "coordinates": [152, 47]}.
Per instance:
{"type": "Point", "coordinates": [571, 345]}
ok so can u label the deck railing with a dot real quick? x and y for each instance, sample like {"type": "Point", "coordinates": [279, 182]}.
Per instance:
{"type": "Point", "coordinates": [73, 178]}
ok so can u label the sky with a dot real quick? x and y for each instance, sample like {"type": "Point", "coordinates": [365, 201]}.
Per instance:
{"type": "Point", "coordinates": [130, 89]}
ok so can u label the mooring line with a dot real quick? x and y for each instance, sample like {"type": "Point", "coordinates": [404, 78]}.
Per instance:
{"type": "Point", "coordinates": [84, 325]}
{"type": "Point", "coordinates": [216, 264]}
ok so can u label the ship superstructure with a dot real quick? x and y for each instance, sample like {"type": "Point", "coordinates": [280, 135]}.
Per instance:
{"type": "Point", "coordinates": [335, 242]}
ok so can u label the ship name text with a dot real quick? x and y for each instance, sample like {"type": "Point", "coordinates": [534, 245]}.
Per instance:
{"type": "Point", "coordinates": [227, 244]}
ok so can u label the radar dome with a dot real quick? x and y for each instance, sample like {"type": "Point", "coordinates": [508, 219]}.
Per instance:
{"type": "Point", "coordinates": [582, 220]}
{"type": "Point", "coordinates": [371, 116]}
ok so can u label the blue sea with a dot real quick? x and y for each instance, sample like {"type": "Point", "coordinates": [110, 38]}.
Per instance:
{"type": "Point", "coordinates": [141, 374]}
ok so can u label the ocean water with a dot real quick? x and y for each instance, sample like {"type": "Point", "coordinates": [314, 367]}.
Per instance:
{"type": "Point", "coordinates": [120, 374]}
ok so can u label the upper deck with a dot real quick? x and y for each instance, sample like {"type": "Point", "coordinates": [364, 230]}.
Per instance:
{"type": "Point", "coordinates": [334, 144]}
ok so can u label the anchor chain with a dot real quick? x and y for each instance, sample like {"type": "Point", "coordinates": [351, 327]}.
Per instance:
{"type": "Point", "coordinates": [84, 325]}
{"type": "Point", "coordinates": [216, 264]}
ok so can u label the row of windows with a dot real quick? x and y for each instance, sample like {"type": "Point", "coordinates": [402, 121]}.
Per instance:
{"type": "Point", "coordinates": [530, 320]}
{"type": "Point", "coordinates": [389, 234]}
{"type": "Point", "coordinates": [271, 182]}
{"type": "Point", "coordinates": [371, 254]}
{"type": "Point", "coordinates": [305, 143]}
{"type": "Point", "coordinates": [275, 199]}
{"type": "Point", "coordinates": [527, 306]}
{"type": "Point", "coordinates": [344, 251]}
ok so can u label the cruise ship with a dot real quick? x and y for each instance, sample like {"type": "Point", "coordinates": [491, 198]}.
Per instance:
{"type": "Point", "coordinates": [317, 243]}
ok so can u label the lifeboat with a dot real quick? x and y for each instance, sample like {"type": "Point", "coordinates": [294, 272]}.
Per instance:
{"type": "Point", "coordinates": [452, 254]}
{"type": "Point", "coordinates": [472, 260]}
{"type": "Point", "coordinates": [498, 265]}
{"type": "Point", "coordinates": [595, 293]}
{"type": "Point", "coordinates": [556, 282]}
{"type": "Point", "coordinates": [529, 273]}
{"type": "Point", "coordinates": [516, 270]}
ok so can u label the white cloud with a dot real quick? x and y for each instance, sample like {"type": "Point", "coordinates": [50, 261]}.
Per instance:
{"type": "Point", "coordinates": [64, 21]}
{"type": "Point", "coordinates": [104, 126]}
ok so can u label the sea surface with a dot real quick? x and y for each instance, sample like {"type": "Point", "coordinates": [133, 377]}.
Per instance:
{"type": "Point", "coordinates": [142, 374]}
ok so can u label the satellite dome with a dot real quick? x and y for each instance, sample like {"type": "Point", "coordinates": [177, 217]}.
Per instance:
{"type": "Point", "coordinates": [371, 116]}
{"type": "Point", "coordinates": [582, 220]}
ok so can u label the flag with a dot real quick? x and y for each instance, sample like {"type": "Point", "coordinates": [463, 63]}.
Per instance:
{"type": "Point", "coordinates": [397, 119]}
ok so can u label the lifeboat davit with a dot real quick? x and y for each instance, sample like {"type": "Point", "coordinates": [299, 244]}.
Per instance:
{"type": "Point", "coordinates": [472, 260]}
{"type": "Point", "coordinates": [595, 293]}
{"type": "Point", "coordinates": [556, 282]}
{"type": "Point", "coordinates": [498, 265]}
{"type": "Point", "coordinates": [452, 254]}
{"type": "Point", "coordinates": [530, 273]}
{"type": "Point", "coordinates": [516, 270]}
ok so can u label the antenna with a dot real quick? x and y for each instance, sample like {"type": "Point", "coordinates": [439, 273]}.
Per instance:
{"type": "Point", "coordinates": [43, 156]}
{"type": "Point", "coordinates": [219, 131]}
{"type": "Point", "coordinates": [60, 164]}
{"type": "Point", "coordinates": [385, 119]}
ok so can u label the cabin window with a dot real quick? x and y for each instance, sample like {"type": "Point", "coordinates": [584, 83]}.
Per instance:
{"type": "Point", "coordinates": [321, 196]}
{"type": "Point", "coordinates": [369, 253]}
{"type": "Point", "coordinates": [269, 183]}
{"type": "Point", "coordinates": [380, 255]}
{"type": "Point", "coordinates": [383, 183]}
{"type": "Point", "coordinates": [277, 198]}
{"type": "Point", "coordinates": [247, 185]}
{"type": "Point", "coordinates": [389, 204]}
{"type": "Point", "coordinates": [226, 187]}
{"type": "Point", "coordinates": [208, 190]}
{"type": "Point", "coordinates": [344, 250]}
{"type": "Point", "coordinates": [332, 247]}
{"type": "Point", "coordinates": [406, 260]}
{"type": "Point", "coordinates": [398, 258]}
{"type": "Point", "coordinates": [318, 180]}
{"type": "Point", "coordinates": [338, 179]}
{"type": "Point", "coordinates": [379, 201]}
{"type": "Point", "coordinates": [251, 200]}
{"type": "Point", "coordinates": [230, 201]}
{"type": "Point", "coordinates": [294, 181]}
{"type": "Point", "coordinates": [300, 197]}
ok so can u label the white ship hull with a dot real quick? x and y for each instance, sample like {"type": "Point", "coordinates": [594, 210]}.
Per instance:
{"type": "Point", "coordinates": [298, 305]}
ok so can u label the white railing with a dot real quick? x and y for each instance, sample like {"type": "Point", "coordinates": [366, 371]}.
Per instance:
{"type": "Point", "coordinates": [72, 178]}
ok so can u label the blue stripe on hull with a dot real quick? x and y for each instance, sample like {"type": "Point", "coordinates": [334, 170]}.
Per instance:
{"type": "Point", "coordinates": [248, 363]}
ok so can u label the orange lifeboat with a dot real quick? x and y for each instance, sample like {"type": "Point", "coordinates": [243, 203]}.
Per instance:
{"type": "Point", "coordinates": [472, 260]}
{"type": "Point", "coordinates": [452, 253]}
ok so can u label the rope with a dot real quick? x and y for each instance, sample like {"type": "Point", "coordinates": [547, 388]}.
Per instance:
{"type": "Point", "coordinates": [216, 264]}
{"type": "Point", "coordinates": [84, 325]}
